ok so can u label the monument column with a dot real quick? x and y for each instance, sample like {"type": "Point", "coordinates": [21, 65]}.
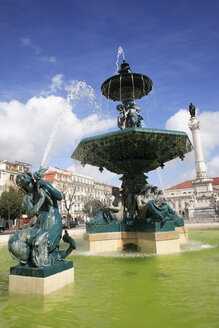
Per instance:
{"type": "Point", "coordinates": [203, 189]}
{"type": "Point", "coordinates": [194, 126]}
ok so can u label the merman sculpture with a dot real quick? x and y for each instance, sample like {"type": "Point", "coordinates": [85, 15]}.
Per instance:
{"type": "Point", "coordinates": [37, 244]}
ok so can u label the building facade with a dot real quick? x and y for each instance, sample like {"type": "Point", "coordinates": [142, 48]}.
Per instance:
{"type": "Point", "coordinates": [182, 197]}
{"type": "Point", "coordinates": [9, 171]}
{"type": "Point", "coordinates": [76, 190]}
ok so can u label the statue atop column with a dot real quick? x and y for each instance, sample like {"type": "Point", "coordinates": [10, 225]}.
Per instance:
{"type": "Point", "coordinates": [192, 110]}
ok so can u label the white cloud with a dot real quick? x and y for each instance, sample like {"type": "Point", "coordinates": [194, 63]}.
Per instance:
{"type": "Point", "coordinates": [56, 83]}
{"type": "Point", "coordinates": [26, 128]}
{"type": "Point", "coordinates": [179, 121]}
{"type": "Point", "coordinates": [27, 42]}
{"type": "Point", "coordinates": [49, 59]}
{"type": "Point", "coordinates": [208, 122]}
{"type": "Point", "coordinates": [213, 167]}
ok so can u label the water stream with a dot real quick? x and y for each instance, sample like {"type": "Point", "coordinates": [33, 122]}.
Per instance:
{"type": "Point", "coordinates": [51, 138]}
{"type": "Point", "coordinates": [119, 53]}
{"type": "Point", "coordinates": [120, 87]}
{"type": "Point", "coordinates": [133, 87]}
{"type": "Point", "coordinates": [108, 92]}
{"type": "Point", "coordinates": [77, 91]}
{"type": "Point", "coordinates": [143, 84]}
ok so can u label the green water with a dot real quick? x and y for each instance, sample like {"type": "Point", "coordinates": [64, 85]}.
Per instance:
{"type": "Point", "coordinates": [128, 290]}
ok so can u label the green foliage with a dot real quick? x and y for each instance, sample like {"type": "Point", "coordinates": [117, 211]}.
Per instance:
{"type": "Point", "coordinates": [11, 204]}
{"type": "Point", "coordinates": [92, 207]}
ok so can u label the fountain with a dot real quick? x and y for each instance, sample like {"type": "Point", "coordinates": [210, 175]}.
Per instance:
{"type": "Point", "coordinates": [140, 214]}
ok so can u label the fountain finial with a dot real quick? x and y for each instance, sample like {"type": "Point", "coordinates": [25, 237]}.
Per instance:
{"type": "Point", "coordinates": [124, 68]}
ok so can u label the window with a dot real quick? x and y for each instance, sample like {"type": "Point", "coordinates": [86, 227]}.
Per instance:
{"type": "Point", "coordinates": [11, 177]}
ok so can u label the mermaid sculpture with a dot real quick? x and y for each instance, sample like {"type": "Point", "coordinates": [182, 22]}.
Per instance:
{"type": "Point", "coordinates": [37, 244]}
{"type": "Point", "coordinates": [153, 207]}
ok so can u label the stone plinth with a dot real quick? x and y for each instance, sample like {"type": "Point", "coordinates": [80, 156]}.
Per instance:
{"type": "Point", "coordinates": [28, 280]}
{"type": "Point", "coordinates": [183, 234]}
{"type": "Point", "coordinates": [150, 242]}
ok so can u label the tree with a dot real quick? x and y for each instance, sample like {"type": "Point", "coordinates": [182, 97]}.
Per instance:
{"type": "Point", "coordinates": [68, 196]}
{"type": "Point", "coordinates": [11, 204]}
{"type": "Point", "coordinates": [92, 207]}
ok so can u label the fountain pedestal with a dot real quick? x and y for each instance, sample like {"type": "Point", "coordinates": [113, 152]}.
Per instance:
{"type": "Point", "coordinates": [42, 281]}
{"type": "Point", "coordinates": [166, 242]}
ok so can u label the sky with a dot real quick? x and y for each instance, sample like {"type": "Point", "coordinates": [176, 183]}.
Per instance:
{"type": "Point", "coordinates": [55, 55]}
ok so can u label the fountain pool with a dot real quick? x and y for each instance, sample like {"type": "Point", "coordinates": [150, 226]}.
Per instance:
{"type": "Point", "coordinates": [125, 290]}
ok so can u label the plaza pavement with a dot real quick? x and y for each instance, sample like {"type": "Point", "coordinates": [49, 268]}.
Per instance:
{"type": "Point", "coordinates": [78, 232]}
{"type": "Point", "coordinates": [4, 237]}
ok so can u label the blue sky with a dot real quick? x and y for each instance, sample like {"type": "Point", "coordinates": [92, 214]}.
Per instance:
{"type": "Point", "coordinates": [175, 43]}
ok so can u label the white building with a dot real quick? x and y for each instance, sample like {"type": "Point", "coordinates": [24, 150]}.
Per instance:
{"type": "Point", "coordinates": [182, 196]}
{"type": "Point", "coordinates": [9, 171]}
{"type": "Point", "coordinates": [77, 189]}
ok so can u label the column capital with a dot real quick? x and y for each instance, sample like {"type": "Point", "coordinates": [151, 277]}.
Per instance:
{"type": "Point", "coordinates": [194, 123]}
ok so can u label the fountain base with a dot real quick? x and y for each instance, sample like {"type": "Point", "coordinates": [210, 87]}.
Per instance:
{"type": "Point", "coordinates": [29, 280]}
{"type": "Point", "coordinates": [166, 242]}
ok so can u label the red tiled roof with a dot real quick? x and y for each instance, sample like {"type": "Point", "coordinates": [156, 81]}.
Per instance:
{"type": "Point", "coordinates": [188, 184]}
{"type": "Point", "coordinates": [182, 185]}
{"type": "Point", "coordinates": [216, 181]}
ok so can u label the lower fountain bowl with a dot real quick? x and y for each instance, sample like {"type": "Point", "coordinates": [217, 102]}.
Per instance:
{"type": "Point", "coordinates": [131, 149]}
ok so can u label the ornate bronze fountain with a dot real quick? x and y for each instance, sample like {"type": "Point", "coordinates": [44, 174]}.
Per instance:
{"type": "Point", "coordinates": [133, 151]}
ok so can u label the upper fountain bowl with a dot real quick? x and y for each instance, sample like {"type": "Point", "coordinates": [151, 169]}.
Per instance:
{"type": "Point", "coordinates": [126, 85]}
